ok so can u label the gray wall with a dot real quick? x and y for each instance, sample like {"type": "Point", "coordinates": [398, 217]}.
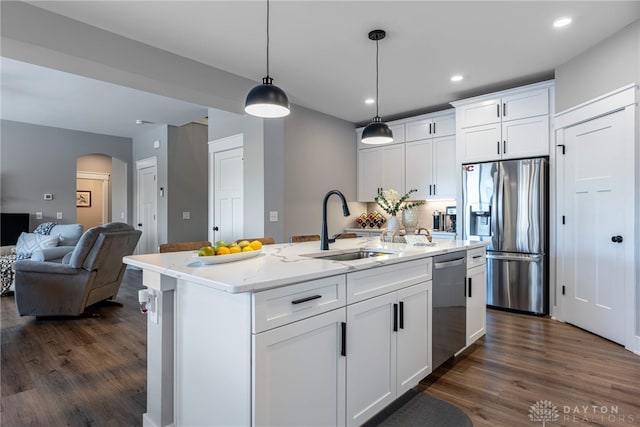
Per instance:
{"type": "Point", "coordinates": [609, 65]}
{"type": "Point", "coordinates": [187, 183]}
{"type": "Point", "coordinates": [319, 155]}
{"type": "Point", "coordinates": [39, 159]}
{"type": "Point", "coordinates": [40, 37]}
{"type": "Point", "coordinates": [143, 149]}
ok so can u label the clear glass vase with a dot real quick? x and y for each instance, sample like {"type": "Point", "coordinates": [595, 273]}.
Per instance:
{"type": "Point", "coordinates": [410, 219]}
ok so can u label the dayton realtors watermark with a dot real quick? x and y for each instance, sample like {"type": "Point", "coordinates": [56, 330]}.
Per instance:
{"type": "Point", "coordinates": [545, 411]}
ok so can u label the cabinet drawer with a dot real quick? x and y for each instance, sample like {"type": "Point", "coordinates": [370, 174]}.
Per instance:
{"type": "Point", "coordinates": [476, 257]}
{"type": "Point", "coordinates": [362, 285]}
{"type": "Point", "coordinates": [277, 307]}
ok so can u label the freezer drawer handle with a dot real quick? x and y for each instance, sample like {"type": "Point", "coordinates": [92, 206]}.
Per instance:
{"type": "Point", "coordinates": [448, 264]}
{"type": "Point", "coordinates": [521, 258]}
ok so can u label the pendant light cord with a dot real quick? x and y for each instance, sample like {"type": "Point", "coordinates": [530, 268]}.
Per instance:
{"type": "Point", "coordinates": [267, 38]}
{"type": "Point", "coordinates": [377, 100]}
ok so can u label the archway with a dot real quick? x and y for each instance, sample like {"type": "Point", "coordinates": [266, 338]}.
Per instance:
{"type": "Point", "coordinates": [101, 190]}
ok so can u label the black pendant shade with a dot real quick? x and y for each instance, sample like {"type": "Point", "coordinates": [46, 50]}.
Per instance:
{"type": "Point", "coordinates": [377, 132]}
{"type": "Point", "coordinates": [267, 100]}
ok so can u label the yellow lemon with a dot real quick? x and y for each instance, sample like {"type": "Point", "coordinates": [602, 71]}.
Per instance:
{"type": "Point", "coordinates": [223, 250]}
{"type": "Point", "coordinates": [247, 249]}
{"type": "Point", "coordinates": [234, 249]}
{"type": "Point", "coordinates": [206, 251]}
{"type": "Point", "coordinates": [256, 245]}
{"type": "Point", "coordinates": [243, 243]}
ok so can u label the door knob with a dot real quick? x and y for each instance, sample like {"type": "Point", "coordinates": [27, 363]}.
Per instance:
{"type": "Point", "coordinates": [616, 239]}
{"type": "Point", "coordinates": [215, 228]}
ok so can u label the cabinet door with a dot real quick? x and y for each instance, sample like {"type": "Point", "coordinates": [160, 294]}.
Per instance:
{"type": "Point", "coordinates": [480, 113]}
{"type": "Point", "coordinates": [526, 137]}
{"type": "Point", "coordinates": [398, 132]}
{"type": "Point", "coordinates": [291, 360]}
{"type": "Point", "coordinates": [525, 104]}
{"type": "Point", "coordinates": [368, 174]}
{"type": "Point", "coordinates": [419, 129]}
{"type": "Point", "coordinates": [443, 126]}
{"type": "Point", "coordinates": [476, 303]}
{"type": "Point", "coordinates": [371, 358]}
{"type": "Point", "coordinates": [419, 168]}
{"type": "Point", "coordinates": [481, 143]}
{"type": "Point", "coordinates": [392, 169]}
{"type": "Point", "coordinates": [444, 166]}
{"type": "Point", "coordinates": [414, 335]}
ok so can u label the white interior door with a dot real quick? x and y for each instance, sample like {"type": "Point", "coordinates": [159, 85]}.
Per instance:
{"type": "Point", "coordinates": [147, 206]}
{"type": "Point", "coordinates": [228, 195]}
{"type": "Point", "coordinates": [598, 233]}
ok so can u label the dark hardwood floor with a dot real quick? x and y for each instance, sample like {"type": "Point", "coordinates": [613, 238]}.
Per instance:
{"type": "Point", "coordinates": [87, 371]}
{"type": "Point", "coordinates": [91, 371]}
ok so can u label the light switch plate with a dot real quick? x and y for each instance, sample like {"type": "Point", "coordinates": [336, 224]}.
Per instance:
{"type": "Point", "coordinates": [48, 196]}
{"type": "Point", "coordinates": [58, 215]}
{"type": "Point", "coordinates": [186, 215]}
{"type": "Point", "coordinates": [273, 216]}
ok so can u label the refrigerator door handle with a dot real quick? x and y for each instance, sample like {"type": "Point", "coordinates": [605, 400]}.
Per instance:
{"type": "Point", "coordinates": [516, 257]}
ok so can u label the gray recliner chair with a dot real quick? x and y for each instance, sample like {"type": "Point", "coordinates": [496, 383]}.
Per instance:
{"type": "Point", "coordinates": [90, 274]}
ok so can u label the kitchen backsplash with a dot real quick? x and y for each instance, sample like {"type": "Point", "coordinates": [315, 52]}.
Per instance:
{"type": "Point", "coordinates": [425, 212]}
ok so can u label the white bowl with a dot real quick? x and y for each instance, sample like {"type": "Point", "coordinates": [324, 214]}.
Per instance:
{"type": "Point", "coordinates": [219, 259]}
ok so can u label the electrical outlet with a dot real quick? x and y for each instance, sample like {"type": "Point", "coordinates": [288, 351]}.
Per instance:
{"type": "Point", "coordinates": [59, 215]}
{"type": "Point", "coordinates": [38, 215]}
{"type": "Point", "coordinates": [48, 196]}
{"type": "Point", "coordinates": [273, 216]}
{"type": "Point", "coordinates": [186, 215]}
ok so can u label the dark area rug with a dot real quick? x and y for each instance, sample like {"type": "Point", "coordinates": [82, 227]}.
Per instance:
{"type": "Point", "coordinates": [415, 409]}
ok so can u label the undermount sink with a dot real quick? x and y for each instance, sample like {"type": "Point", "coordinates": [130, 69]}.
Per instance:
{"type": "Point", "coordinates": [351, 255]}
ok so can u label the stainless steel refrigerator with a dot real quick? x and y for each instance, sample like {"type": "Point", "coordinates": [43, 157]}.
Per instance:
{"type": "Point", "coordinates": [506, 203]}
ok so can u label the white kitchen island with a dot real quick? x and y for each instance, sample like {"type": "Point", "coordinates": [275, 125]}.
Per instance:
{"type": "Point", "coordinates": [284, 338]}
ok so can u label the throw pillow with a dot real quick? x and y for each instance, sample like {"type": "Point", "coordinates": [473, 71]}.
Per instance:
{"type": "Point", "coordinates": [45, 228]}
{"type": "Point", "coordinates": [28, 243]}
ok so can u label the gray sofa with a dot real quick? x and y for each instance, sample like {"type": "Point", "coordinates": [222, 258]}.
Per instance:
{"type": "Point", "coordinates": [69, 236]}
{"type": "Point", "coordinates": [91, 273]}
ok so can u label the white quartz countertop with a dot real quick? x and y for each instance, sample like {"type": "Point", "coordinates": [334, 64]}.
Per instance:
{"type": "Point", "coordinates": [284, 264]}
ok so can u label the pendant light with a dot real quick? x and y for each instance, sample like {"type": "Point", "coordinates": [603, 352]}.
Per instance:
{"type": "Point", "coordinates": [267, 100]}
{"type": "Point", "coordinates": [377, 132]}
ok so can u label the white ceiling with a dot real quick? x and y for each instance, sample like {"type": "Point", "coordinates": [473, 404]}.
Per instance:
{"type": "Point", "coordinates": [321, 56]}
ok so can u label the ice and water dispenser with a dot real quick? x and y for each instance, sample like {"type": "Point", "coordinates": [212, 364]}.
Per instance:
{"type": "Point", "coordinates": [480, 220]}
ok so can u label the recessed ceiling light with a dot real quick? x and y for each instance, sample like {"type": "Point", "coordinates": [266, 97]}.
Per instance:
{"type": "Point", "coordinates": [369, 101]}
{"type": "Point", "coordinates": [456, 78]}
{"type": "Point", "coordinates": [562, 22]}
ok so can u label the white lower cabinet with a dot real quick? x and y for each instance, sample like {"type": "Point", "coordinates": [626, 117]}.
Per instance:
{"type": "Point", "coordinates": [388, 349]}
{"type": "Point", "coordinates": [476, 295]}
{"type": "Point", "coordinates": [299, 373]}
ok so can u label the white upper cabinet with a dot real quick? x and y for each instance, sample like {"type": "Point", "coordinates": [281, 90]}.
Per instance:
{"type": "Point", "coordinates": [510, 124]}
{"type": "Point", "coordinates": [430, 168]}
{"type": "Point", "coordinates": [430, 127]}
{"type": "Point", "coordinates": [427, 163]}
{"type": "Point", "coordinates": [380, 168]}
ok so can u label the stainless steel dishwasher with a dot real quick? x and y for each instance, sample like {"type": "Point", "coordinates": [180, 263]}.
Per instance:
{"type": "Point", "coordinates": [449, 306]}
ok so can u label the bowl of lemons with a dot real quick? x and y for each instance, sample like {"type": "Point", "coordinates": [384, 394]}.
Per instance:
{"type": "Point", "coordinates": [222, 252]}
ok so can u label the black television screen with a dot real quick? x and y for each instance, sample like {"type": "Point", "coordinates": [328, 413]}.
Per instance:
{"type": "Point", "coordinates": [11, 225]}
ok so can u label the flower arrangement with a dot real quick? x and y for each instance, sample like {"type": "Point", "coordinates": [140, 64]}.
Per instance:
{"type": "Point", "coordinates": [391, 202]}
